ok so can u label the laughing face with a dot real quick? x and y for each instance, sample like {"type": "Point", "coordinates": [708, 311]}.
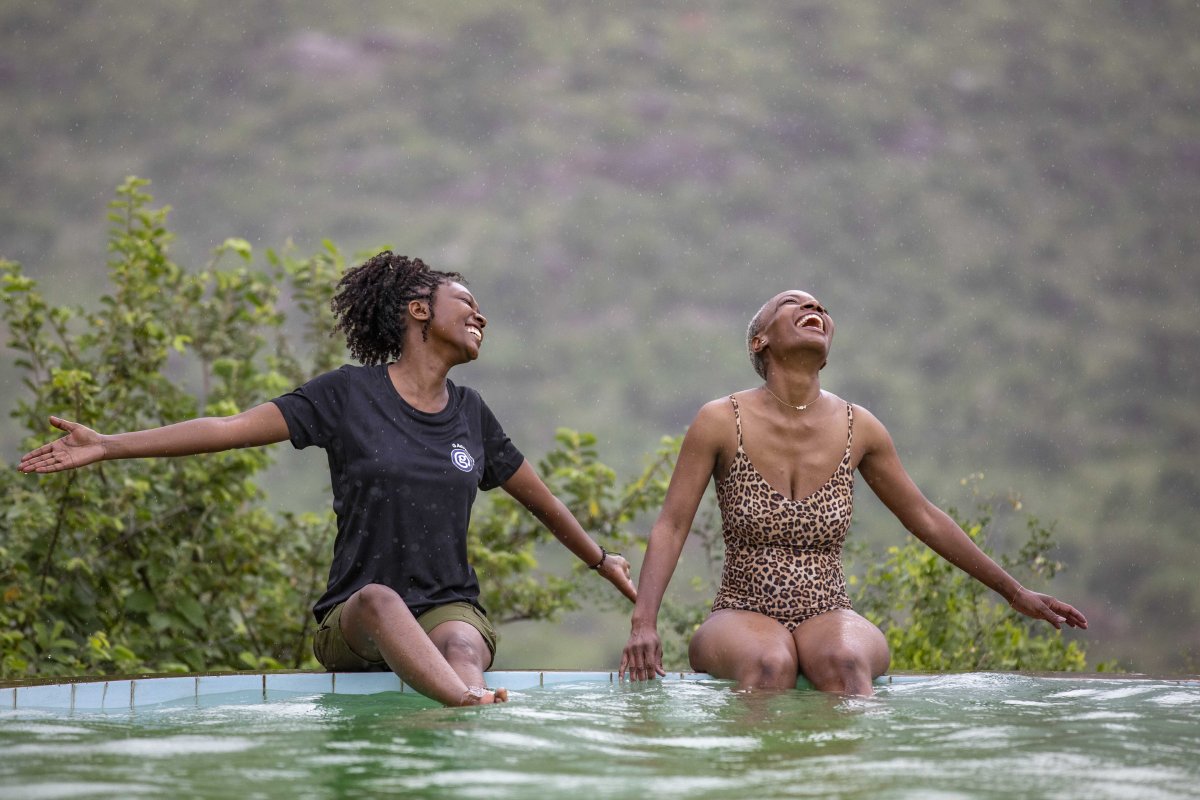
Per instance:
{"type": "Point", "coordinates": [456, 319]}
{"type": "Point", "coordinates": [790, 321]}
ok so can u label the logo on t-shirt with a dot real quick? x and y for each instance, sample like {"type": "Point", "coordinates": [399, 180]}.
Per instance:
{"type": "Point", "coordinates": [461, 458]}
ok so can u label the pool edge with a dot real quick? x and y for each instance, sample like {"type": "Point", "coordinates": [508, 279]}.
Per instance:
{"type": "Point", "coordinates": [126, 693]}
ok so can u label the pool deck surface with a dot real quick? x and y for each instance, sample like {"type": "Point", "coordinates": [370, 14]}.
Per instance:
{"type": "Point", "coordinates": [129, 693]}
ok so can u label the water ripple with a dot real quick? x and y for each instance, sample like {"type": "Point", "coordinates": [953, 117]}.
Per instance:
{"type": "Point", "coordinates": [954, 736]}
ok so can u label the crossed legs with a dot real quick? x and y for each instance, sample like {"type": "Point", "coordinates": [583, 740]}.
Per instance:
{"type": "Point", "coordinates": [442, 665]}
{"type": "Point", "coordinates": [838, 651]}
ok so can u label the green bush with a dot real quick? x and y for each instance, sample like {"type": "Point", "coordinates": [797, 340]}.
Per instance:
{"type": "Point", "coordinates": [504, 538]}
{"type": "Point", "coordinates": [155, 564]}
{"type": "Point", "coordinates": [176, 564]}
{"type": "Point", "coordinates": [937, 618]}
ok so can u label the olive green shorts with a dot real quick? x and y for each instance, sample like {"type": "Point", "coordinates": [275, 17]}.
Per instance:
{"type": "Point", "coordinates": [335, 655]}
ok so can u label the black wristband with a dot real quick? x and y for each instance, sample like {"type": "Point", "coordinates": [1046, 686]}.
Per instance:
{"type": "Point", "coordinates": [604, 554]}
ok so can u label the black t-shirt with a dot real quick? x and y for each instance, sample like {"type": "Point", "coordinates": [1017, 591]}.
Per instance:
{"type": "Point", "coordinates": [403, 482]}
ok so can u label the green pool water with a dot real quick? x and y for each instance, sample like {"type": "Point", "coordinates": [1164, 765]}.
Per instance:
{"type": "Point", "coordinates": [960, 736]}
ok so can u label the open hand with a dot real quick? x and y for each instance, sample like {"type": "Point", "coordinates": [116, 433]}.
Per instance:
{"type": "Point", "coordinates": [1043, 606]}
{"type": "Point", "coordinates": [642, 657]}
{"type": "Point", "coordinates": [80, 447]}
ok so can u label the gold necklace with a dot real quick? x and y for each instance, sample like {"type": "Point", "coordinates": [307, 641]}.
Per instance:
{"type": "Point", "coordinates": [789, 405]}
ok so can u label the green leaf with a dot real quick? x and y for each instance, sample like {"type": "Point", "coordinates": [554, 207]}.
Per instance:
{"type": "Point", "coordinates": [142, 601]}
{"type": "Point", "coordinates": [191, 610]}
{"type": "Point", "coordinates": [239, 246]}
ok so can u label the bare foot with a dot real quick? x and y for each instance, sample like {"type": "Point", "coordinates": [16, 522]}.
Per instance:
{"type": "Point", "coordinates": [478, 696]}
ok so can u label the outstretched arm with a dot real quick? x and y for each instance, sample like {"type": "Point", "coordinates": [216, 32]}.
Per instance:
{"type": "Point", "coordinates": [881, 468]}
{"type": "Point", "coordinates": [527, 488]}
{"type": "Point", "coordinates": [642, 657]}
{"type": "Point", "coordinates": [263, 424]}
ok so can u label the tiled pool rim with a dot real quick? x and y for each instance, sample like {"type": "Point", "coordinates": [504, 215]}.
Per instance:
{"type": "Point", "coordinates": [129, 693]}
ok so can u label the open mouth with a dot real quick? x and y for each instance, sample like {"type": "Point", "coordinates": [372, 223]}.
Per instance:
{"type": "Point", "coordinates": [478, 334]}
{"type": "Point", "coordinates": [812, 321]}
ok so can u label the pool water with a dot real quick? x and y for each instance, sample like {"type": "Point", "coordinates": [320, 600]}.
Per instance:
{"type": "Point", "coordinates": [960, 736]}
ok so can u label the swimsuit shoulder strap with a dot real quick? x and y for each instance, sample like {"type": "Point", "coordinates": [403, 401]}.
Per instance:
{"type": "Point", "coordinates": [737, 419]}
{"type": "Point", "coordinates": [849, 428]}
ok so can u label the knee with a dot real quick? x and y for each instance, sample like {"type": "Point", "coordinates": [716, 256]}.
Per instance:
{"type": "Point", "coordinates": [845, 670]}
{"type": "Point", "coordinates": [374, 602]}
{"type": "Point", "coordinates": [460, 647]}
{"type": "Point", "coordinates": [775, 668]}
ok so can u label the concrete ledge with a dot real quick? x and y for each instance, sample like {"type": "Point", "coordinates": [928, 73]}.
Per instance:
{"type": "Point", "coordinates": [128, 693]}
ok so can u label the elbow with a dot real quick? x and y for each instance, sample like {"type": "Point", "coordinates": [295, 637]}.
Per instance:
{"type": "Point", "coordinates": [923, 524]}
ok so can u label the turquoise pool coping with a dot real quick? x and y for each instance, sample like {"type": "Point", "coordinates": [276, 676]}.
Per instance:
{"type": "Point", "coordinates": [130, 693]}
{"type": "Point", "coordinates": [127, 694]}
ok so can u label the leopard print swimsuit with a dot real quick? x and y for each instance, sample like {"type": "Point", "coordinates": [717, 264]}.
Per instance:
{"type": "Point", "coordinates": [783, 558]}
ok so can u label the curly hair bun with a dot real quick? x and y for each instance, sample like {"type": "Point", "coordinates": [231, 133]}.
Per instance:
{"type": "Point", "coordinates": [370, 303]}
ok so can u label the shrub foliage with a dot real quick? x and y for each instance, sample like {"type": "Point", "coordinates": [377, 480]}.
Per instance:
{"type": "Point", "coordinates": [178, 565]}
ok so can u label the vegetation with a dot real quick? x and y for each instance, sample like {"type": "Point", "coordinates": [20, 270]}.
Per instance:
{"type": "Point", "coordinates": [177, 564]}
{"type": "Point", "coordinates": [997, 200]}
{"type": "Point", "coordinates": [936, 618]}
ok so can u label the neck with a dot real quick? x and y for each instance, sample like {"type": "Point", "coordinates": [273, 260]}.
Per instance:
{"type": "Point", "coordinates": [795, 390]}
{"type": "Point", "coordinates": [420, 381]}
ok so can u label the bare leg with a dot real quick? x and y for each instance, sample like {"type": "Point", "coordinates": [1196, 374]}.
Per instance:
{"type": "Point", "coordinates": [464, 650]}
{"type": "Point", "coordinates": [841, 651]}
{"type": "Point", "coordinates": [750, 648]}
{"type": "Point", "coordinates": [375, 618]}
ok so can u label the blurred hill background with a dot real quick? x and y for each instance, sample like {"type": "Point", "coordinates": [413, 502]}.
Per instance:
{"type": "Point", "coordinates": [998, 201]}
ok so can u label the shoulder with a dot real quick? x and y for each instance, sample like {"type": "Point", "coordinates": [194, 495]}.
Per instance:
{"type": "Point", "coordinates": [463, 392]}
{"type": "Point", "coordinates": [867, 427]}
{"type": "Point", "coordinates": [346, 374]}
{"type": "Point", "coordinates": [352, 380]}
{"type": "Point", "coordinates": [359, 373]}
{"type": "Point", "coordinates": [715, 412]}
{"type": "Point", "coordinates": [464, 398]}
{"type": "Point", "coordinates": [715, 422]}
{"type": "Point", "coordinates": [326, 385]}
{"type": "Point", "coordinates": [862, 415]}
{"type": "Point", "coordinates": [469, 403]}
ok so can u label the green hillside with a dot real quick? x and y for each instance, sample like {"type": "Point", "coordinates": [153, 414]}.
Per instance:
{"type": "Point", "coordinates": [998, 201]}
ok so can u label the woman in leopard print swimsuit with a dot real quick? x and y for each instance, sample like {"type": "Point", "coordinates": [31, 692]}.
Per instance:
{"type": "Point", "coordinates": [782, 608]}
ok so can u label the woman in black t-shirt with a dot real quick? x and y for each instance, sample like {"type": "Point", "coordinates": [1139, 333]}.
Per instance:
{"type": "Point", "coordinates": [407, 450]}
